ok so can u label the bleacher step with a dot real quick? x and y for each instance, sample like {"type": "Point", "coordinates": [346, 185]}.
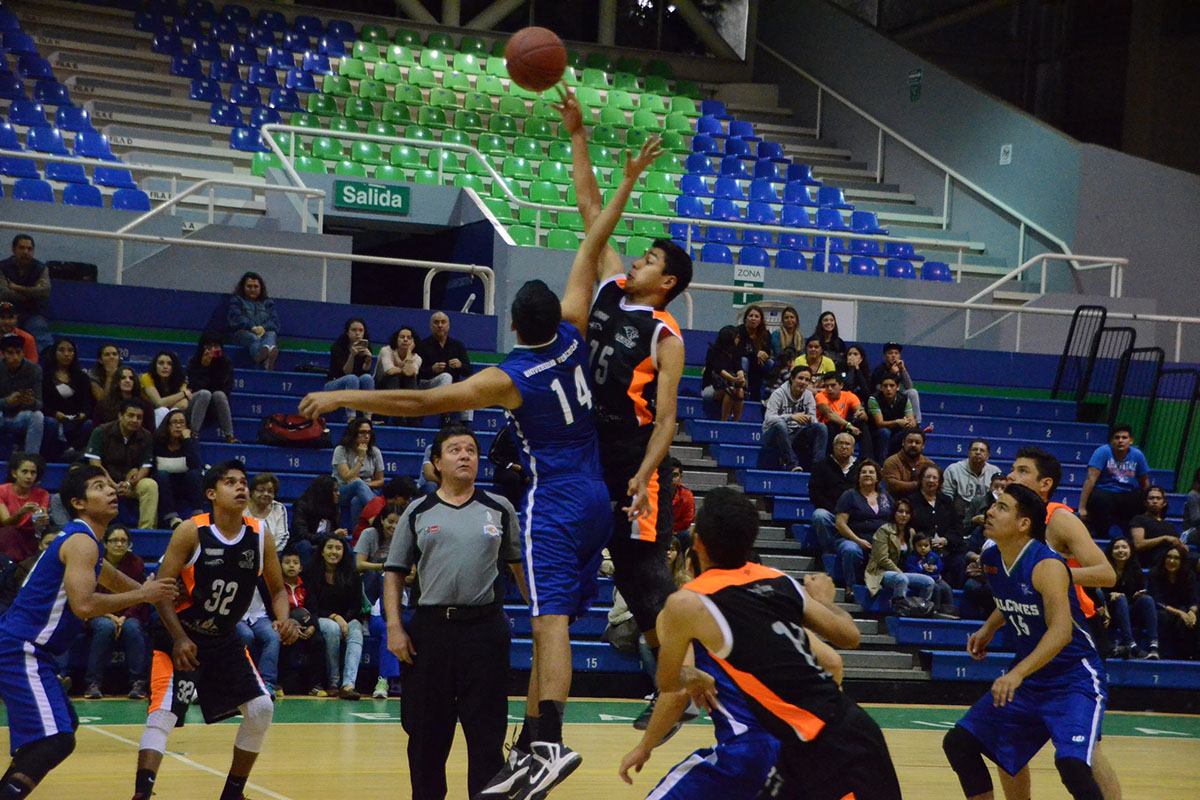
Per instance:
{"type": "Point", "coordinates": [874, 674]}
{"type": "Point", "coordinates": [876, 659]}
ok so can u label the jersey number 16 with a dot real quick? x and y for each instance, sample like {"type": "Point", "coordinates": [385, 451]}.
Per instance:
{"type": "Point", "coordinates": [583, 395]}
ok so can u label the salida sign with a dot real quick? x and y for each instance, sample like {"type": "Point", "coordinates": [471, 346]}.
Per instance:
{"type": "Point", "coordinates": [379, 198]}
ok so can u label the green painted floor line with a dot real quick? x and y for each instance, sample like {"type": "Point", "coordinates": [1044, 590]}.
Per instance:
{"type": "Point", "coordinates": [1006, 392]}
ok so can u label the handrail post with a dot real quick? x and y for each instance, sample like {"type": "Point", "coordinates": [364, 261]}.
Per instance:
{"type": "Point", "coordinates": [820, 92]}
{"type": "Point", "coordinates": [879, 157]}
{"type": "Point", "coordinates": [120, 261]}
{"type": "Point", "coordinates": [324, 279]}
{"type": "Point", "coordinates": [211, 198]}
{"type": "Point", "coordinates": [1178, 342]}
{"type": "Point", "coordinates": [946, 204]}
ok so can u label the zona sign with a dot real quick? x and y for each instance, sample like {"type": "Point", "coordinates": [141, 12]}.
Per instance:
{"type": "Point", "coordinates": [377, 197]}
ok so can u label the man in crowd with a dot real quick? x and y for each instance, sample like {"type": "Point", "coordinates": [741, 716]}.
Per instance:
{"type": "Point", "coordinates": [830, 478]}
{"type": "Point", "coordinates": [21, 394]}
{"type": "Point", "coordinates": [1118, 477]}
{"type": "Point", "coordinates": [840, 411]}
{"type": "Point", "coordinates": [25, 282]}
{"type": "Point", "coordinates": [683, 502]}
{"type": "Point", "coordinates": [891, 415]}
{"type": "Point", "coordinates": [8, 326]}
{"type": "Point", "coordinates": [893, 364]}
{"type": "Point", "coordinates": [902, 472]}
{"type": "Point", "coordinates": [970, 478]}
{"type": "Point", "coordinates": [443, 360]}
{"type": "Point", "coordinates": [125, 451]}
{"type": "Point", "coordinates": [792, 437]}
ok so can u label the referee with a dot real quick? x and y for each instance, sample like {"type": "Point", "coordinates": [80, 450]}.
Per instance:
{"type": "Point", "coordinates": [456, 649]}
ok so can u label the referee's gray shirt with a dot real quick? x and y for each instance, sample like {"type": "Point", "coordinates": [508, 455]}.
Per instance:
{"type": "Point", "coordinates": [458, 548]}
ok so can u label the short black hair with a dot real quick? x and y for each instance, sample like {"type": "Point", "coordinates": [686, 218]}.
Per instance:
{"type": "Point", "coordinates": [449, 432]}
{"type": "Point", "coordinates": [674, 463]}
{"type": "Point", "coordinates": [1031, 506]}
{"type": "Point", "coordinates": [130, 402]}
{"type": "Point", "coordinates": [401, 486]}
{"type": "Point", "coordinates": [22, 236]}
{"type": "Point", "coordinates": [113, 528]}
{"type": "Point", "coordinates": [796, 370]}
{"type": "Point", "coordinates": [1120, 427]}
{"type": "Point", "coordinates": [983, 442]}
{"type": "Point", "coordinates": [74, 486]}
{"type": "Point", "coordinates": [1047, 465]}
{"type": "Point", "coordinates": [536, 313]}
{"type": "Point", "coordinates": [677, 263]}
{"type": "Point", "coordinates": [219, 470]}
{"type": "Point", "coordinates": [834, 376]}
{"type": "Point", "coordinates": [288, 550]}
{"type": "Point", "coordinates": [19, 458]}
{"type": "Point", "coordinates": [727, 523]}
{"type": "Point", "coordinates": [888, 376]}
{"type": "Point", "coordinates": [240, 289]}
{"type": "Point", "coordinates": [914, 432]}
{"type": "Point", "coordinates": [918, 536]}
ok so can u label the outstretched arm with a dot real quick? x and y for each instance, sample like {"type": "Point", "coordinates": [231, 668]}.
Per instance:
{"type": "Point", "coordinates": [670, 371]}
{"type": "Point", "coordinates": [488, 387]}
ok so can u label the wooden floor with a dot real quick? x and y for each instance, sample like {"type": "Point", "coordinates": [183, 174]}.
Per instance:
{"type": "Point", "coordinates": [330, 761]}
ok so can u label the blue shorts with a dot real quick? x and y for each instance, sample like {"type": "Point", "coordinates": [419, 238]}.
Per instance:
{"type": "Point", "coordinates": [565, 527]}
{"type": "Point", "coordinates": [1067, 711]}
{"type": "Point", "coordinates": [36, 703]}
{"type": "Point", "coordinates": [736, 769]}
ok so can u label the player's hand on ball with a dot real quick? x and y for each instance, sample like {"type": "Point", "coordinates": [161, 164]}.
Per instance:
{"type": "Point", "coordinates": [640, 493]}
{"type": "Point", "coordinates": [700, 686]}
{"type": "Point", "coordinates": [977, 644]}
{"type": "Point", "coordinates": [288, 630]}
{"type": "Point", "coordinates": [1004, 687]}
{"type": "Point", "coordinates": [635, 759]}
{"type": "Point", "coordinates": [160, 591]}
{"type": "Point", "coordinates": [820, 587]}
{"type": "Point", "coordinates": [184, 655]}
{"type": "Point", "coordinates": [315, 404]}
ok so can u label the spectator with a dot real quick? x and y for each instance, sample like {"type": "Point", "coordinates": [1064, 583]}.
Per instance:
{"type": "Point", "coordinates": [923, 562]}
{"type": "Point", "coordinates": [815, 358]}
{"type": "Point", "coordinates": [125, 451]}
{"type": "Point", "coordinates": [399, 490]}
{"type": "Point", "coordinates": [889, 548]}
{"type": "Point", "coordinates": [443, 360]}
{"type": "Point", "coordinates": [122, 390]}
{"type": "Point", "coordinates": [860, 511]}
{"type": "Point", "coordinates": [832, 345]}
{"type": "Point", "coordinates": [67, 403]}
{"type": "Point", "coordinates": [894, 364]}
{"type": "Point", "coordinates": [1118, 475]}
{"type": "Point", "coordinates": [13, 573]}
{"type": "Point", "coordinates": [350, 360]}
{"type": "Point", "coordinates": [785, 362]}
{"type": "Point", "coordinates": [358, 466]}
{"type": "Point", "coordinates": [902, 471]}
{"type": "Point", "coordinates": [335, 598]}
{"type": "Point", "coordinates": [266, 509]}
{"type": "Point", "coordinates": [683, 502]}
{"type": "Point", "coordinates": [1130, 607]}
{"type": "Point", "coordinates": [103, 373]}
{"type": "Point", "coordinates": [791, 435]}
{"type": "Point", "coordinates": [178, 469]}
{"type": "Point", "coordinates": [510, 480]}
{"type": "Point", "coordinates": [891, 417]}
{"type": "Point", "coordinates": [1150, 533]}
{"type": "Point", "coordinates": [830, 478]}
{"type": "Point", "coordinates": [1191, 506]}
{"type": "Point", "coordinates": [23, 507]}
{"type": "Point", "coordinates": [315, 516]}
{"type": "Point", "coordinates": [933, 514]}
{"type": "Point", "coordinates": [858, 372]}
{"type": "Point", "coordinates": [977, 597]}
{"type": "Point", "coordinates": [974, 516]}
{"type": "Point", "coordinates": [756, 350]}
{"type": "Point", "coordinates": [128, 630]}
{"type": "Point", "coordinates": [970, 478]}
{"type": "Point", "coordinates": [1175, 593]}
{"type": "Point", "coordinates": [724, 376]}
{"type": "Point", "coordinates": [370, 553]}
{"type": "Point", "coordinates": [8, 325]}
{"type": "Point", "coordinates": [258, 636]}
{"type": "Point", "coordinates": [21, 395]}
{"type": "Point", "coordinates": [839, 411]}
{"type": "Point", "coordinates": [788, 336]}
{"type": "Point", "coordinates": [210, 380]}
{"type": "Point", "coordinates": [165, 387]}
{"type": "Point", "coordinates": [309, 649]}
{"type": "Point", "coordinates": [25, 282]}
{"type": "Point", "coordinates": [398, 361]}
{"type": "Point", "coordinates": [253, 319]}
{"type": "Point", "coordinates": [429, 480]}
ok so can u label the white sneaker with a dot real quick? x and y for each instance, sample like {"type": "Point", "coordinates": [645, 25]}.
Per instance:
{"type": "Point", "coordinates": [552, 763]}
{"type": "Point", "coordinates": [512, 778]}
{"type": "Point", "coordinates": [381, 689]}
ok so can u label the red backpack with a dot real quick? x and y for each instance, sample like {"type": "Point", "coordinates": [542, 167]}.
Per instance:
{"type": "Point", "coordinates": [294, 430]}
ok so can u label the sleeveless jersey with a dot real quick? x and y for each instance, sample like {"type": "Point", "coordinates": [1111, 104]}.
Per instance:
{"type": "Point", "coordinates": [555, 427]}
{"type": "Point", "coordinates": [732, 715]}
{"type": "Point", "coordinates": [221, 578]}
{"type": "Point", "coordinates": [623, 359]}
{"type": "Point", "coordinates": [766, 654]}
{"type": "Point", "coordinates": [1022, 606]}
{"type": "Point", "coordinates": [1086, 604]}
{"type": "Point", "coordinates": [41, 614]}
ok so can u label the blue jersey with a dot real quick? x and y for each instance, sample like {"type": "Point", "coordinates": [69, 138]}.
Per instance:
{"type": "Point", "coordinates": [732, 715]}
{"type": "Point", "coordinates": [41, 614]}
{"type": "Point", "coordinates": [1022, 607]}
{"type": "Point", "coordinates": [555, 427]}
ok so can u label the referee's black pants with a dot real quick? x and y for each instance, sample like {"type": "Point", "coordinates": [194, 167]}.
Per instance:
{"type": "Point", "coordinates": [459, 673]}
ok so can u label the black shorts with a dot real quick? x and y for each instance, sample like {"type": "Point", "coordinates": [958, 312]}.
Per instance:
{"type": "Point", "coordinates": [639, 547]}
{"type": "Point", "coordinates": [225, 679]}
{"type": "Point", "coordinates": [654, 525]}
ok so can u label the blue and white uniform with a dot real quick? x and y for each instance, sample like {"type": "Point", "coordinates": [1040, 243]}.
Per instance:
{"type": "Point", "coordinates": [35, 631]}
{"type": "Point", "coordinates": [1063, 701]}
{"type": "Point", "coordinates": [565, 518]}
{"type": "Point", "coordinates": [745, 753]}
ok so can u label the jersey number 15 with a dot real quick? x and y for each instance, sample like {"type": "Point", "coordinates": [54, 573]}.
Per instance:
{"type": "Point", "coordinates": [583, 395]}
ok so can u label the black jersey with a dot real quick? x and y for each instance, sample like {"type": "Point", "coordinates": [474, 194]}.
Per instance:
{"type": "Point", "coordinates": [221, 578]}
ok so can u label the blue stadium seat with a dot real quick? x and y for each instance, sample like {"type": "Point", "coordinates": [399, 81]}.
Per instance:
{"type": "Point", "coordinates": [832, 197]}
{"type": "Point", "coordinates": [694, 185]}
{"type": "Point", "coordinates": [296, 42]}
{"type": "Point", "coordinates": [830, 219]}
{"type": "Point", "coordinates": [767, 169]}
{"type": "Point", "coordinates": [861, 265]}
{"type": "Point", "coordinates": [936, 271]}
{"type": "Point", "coordinates": [167, 44]}
{"type": "Point", "coordinates": [284, 100]}
{"type": "Point", "coordinates": [796, 193]}
{"type": "Point", "coordinates": [715, 253]}
{"type": "Point", "coordinates": [723, 209]}
{"type": "Point", "coordinates": [279, 58]}
{"type": "Point", "coordinates": [802, 173]}
{"type": "Point", "coordinates": [793, 241]}
{"type": "Point", "coordinates": [317, 64]}
{"type": "Point", "coordinates": [244, 95]}
{"type": "Point", "coordinates": [262, 37]}
{"type": "Point", "coordinates": [331, 46]}
{"type": "Point", "coordinates": [688, 206]}
{"type": "Point", "coordinates": [308, 25]}
{"type": "Point", "coordinates": [225, 32]}
{"type": "Point", "coordinates": [82, 194]}
{"type": "Point", "coordinates": [743, 130]}
{"type": "Point", "coordinates": [19, 168]}
{"type": "Point", "coordinates": [130, 200]}
{"type": "Point", "coordinates": [32, 189]}
{"type": "Point", "coordinates": [224, 70]}
{"type": "Point", "coordinates": [300, 81]}
{"type": "Point", "coordinates": [18, 43]}
{"type": "Point", "coordinates": [8, 137]}
{"type": "Point", "coordinates": [835, 245]}
{"type": "Point", "coordinates": [238, 15]}
{"type": "Point", "coordinates": [248, 140]}
{"type": "Point", "coordinates": [34, 67]}
{"type": "Point", "coordinates": [227, 114]}
{"type": "Point", "coordinates": [46, 140]}
{"type": "Point", "coordinates": [753, 256]}
{"type": "Point", "coordinates": [795, 216]}
{"type": "Point", "coordinates": [9, 21]}
{"type": "Point", "coordinates": [865, 247]}
{"type": "Point", "coordinates": [728, 188]}
{"type": "Point", "coordinates": [65, 173]}
{"type": "Point", "coordinates": [263, 115]}
{"type": "Point", "coordinates": [710, 126]}
{"type": "Point", "coordinates": [790, 259]}
{"type": "Point", "coordinates": [833, 267]}
{"type": "Point", "coordinates": [262, 75]}
{"type": "Point", "coordinates": [206, 49]}
{"type": "Point", "coordinates": [699, 164]}
{"type": "Point", "coordinates": [760, 213]}
{"type": "Point", "coordinates": [773, 151]}
{"type": "Point", "coordinates": [51, 92]}
{"type": "Point", "coordinates": [243, 54]}
{"type": "Point", "coordinates": [866, 222]}
{"type": "Point", "coordinates": [113, 177]}
{"type": "Point", "coordinates": [899, 268]}
{"type": "Point", "coordinates": [187, 28]}
{"type": "Point", "coordinates": [201, 9]}
{"type": "Point", "coordinates": [273, 20]}
{"type": "Point", "coordinates": [899, 250]}
{"type": "Point", "coordinates": [342, 29]}
{"type": "Point", "coordinates": [186, 66]}
{"type": "Point", "coordinates": [29, 113]}
{"type": "Point", "coordinates": [763, 191]}
{"type": "Point", "coordinates": [148, 22]}
{"type": "Point", "coordinates": [90, 144]}
{"type": "Point", "coordinates": [703, 143]}
{"type": "Point", "coordinates": [735, 167]}
{"type": "Point", "coordinates": [11, 87]}
{"type": "Point", "coordinates": [714, 108]}
{"type": "Point", "coordinates": [206, 90]}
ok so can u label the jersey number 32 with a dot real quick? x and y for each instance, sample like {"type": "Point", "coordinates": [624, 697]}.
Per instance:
{"type": "Point", "coordinates": [583, 395]}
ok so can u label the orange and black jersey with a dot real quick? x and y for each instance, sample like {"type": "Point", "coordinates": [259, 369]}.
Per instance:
{"type": "Point", "coordinates": [767, 654]}
{"type": "Point", "coordinates": [220, 578]}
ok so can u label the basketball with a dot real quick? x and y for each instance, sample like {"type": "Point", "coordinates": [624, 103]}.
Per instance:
{"type": "Point", "coordinates": [536, 58]}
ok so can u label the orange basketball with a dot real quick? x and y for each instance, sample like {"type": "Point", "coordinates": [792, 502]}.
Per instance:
{"type": "Point", "coordinates": [536, 58]}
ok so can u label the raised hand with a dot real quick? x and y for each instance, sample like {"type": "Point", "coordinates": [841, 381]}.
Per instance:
{"type": "Point", "coordinates": [315, 404]}
{"type": "Point", "coordinates": [569, 109]}
{"type": "Point", "coordinates": [635, 165]}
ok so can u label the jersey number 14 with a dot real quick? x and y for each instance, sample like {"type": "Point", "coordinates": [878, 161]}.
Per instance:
{"type": "Point", "coordinates": [583, 395]}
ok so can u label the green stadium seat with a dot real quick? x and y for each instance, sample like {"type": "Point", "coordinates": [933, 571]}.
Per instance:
{"type": "Point", "coordinates": [489, 85]}
{"type": "Point", "coordinates": [635, 138]}
{"type": "Point", "coordinates": [467, 63]}
{"type": "Point", "coordinates": [662, 183]}
{"type": "Point", "coordinates": [498, 188]}
{"type": "Point", "coordinates": [464, 180]}
{"type": "Point", "coordinates": [375, 34]}
{"type": "Point", "coordinates": [343, 125]}
{"type": "Point", "coordinates": [337, 85]}
{"type": "Point", "coordinates": [512, 106]}
{"type": "Point", "coordinates": [418, 132]}
{"type": "Point", "coordinates": [671, 164]}
{"type": "Point", "coordinates": [451, 136]}
{"type": "Point", "coordinates": [594, 78]}
{"type": "Point", "coordinates": [525, 147]}
{"type": "Point", "coordinates": [611, 117]}
{"type": "Point", "coordinates": [562, 240]}
{"type": "Point", "coordinates": [538, 128]}
{"type": "Point", "coordinates": [409, 95]}
{"type": "Point", "coordinates": [421, 77]}
{"type": "Point", "coordinates": [629, 64]}
{"type": "Point", "coordinates": [607, 135]}
{"type": "Point", "coordinates": [654, 203]}
{"type": "Point", "coordinates": [652, 102]}
{"type": "Point", "coordinates": [626, 82]}
{"type": "Point", "coordinates": [575, 59]}
{"type": "Point", "coordinates": [386, 172]}
{"type": "Point", "coordinates": [621, 99]}
{"type": "Point", "coordinates": [523, 235]}
{"type": "Point", "coordinates": [264, 161]}
{"type": "Point", "coordinates": [388, 74]}
{"type": "Point", "coordinates": [350, 169]}
{"type": "Point", "coordinates": [543, 109]}
{"type": "Point", "coordinates": [350, 69]}
{"type": "Point", "coordinates": [431, 117]}
{"type": "Point", "coordinates": [449, 161]}
{"type": "Point", "coordinates": [607, 195]}
{"type": "Point", "coordinates": [656, 84]}
{"type": "Point", "coordinates": [560, 151]}
{"type": "Point", "coordinates": [285, 141]}
{"type": "Point", "coordinates": [474, 165]}
{"type": "Point", "coordinates": [637, 245]}
{"type": "Point", "coordinates": [440, 41]}
{"type": "Point", "coordinates": [310, 164]}
{"type": "Point", "coordinates": [676, 142]}
{"type": "Point", "coordinates": [492, 144]}
{"type": "Point", "coordinates": [473, 45]}
{"type": "Point", "coordinates": [456, 81]}
{"type": "Point", "coordinates": [524, 94]}
{"type": "Point", "coordinates": [601, 155]}
{"type": "Point", "coordinates": [659, 68]}
{"type": "Point", "coordinates": [358, 108]}
{"type": "Point", "coordinates": [571, 220]}
{"type": "Point", "coordinates": [600, 61]}
{"type": "Point", "coordinates": [679, 123]}
{"type": "Point", "coordinates": [401, 56]}
{"type": "Point", "coordinates": [647, 120]}
{"type": "Point", "coordinates": [404, 156]}
{"type": "Point", "coordinates": [603, 179]}
{"type": "Point", "coordinates": [571, 76]}
{"type": "Point", "coordinates": [407, 38]}
{"type": "Point", "coordinates": [397, 113]}
{"type": "Point", "coordinates": [366, 153]}
{"type": "Point", "coordinates": [502, 124]}
{"type": "Point", "coordinates": [497, 50]}
{"type": "Point", "coordinates": [477, 102]}
{"type": "Point", "coordinates": [688, 89]}
{"type": "Point", "coordinates": [322, 105]}
{"type": "Point", "coordinates": [495, 67]}
{"type": "Point", "coordinates": [380, 128]}
{"type": "Point", "coordinates": [546, 193]}
{"type": "Point", "coordinates": [649, 228]}
{"type": "Point", "coordinates": [468, 121]}
{"type": "Point", "coordinates": [366, 50]}
{"type": "Point", "coordinates": [684, 105]}
{"type": "Point", "coordinates": [536, 217]}
{"type": "Point", "coordinates": [517, 167]}
{"type": "Point", "coordinates": [426, 176]}
{"type": "Point", "coordinates": [432, 58]}
{"type": "Point", "coordinates": [588, 96]}
{"type": "Point", "coordinates": [303, 119]}
{"type": "Point", "coordinates": [555, 172]}
{"type": "Point", "coordinates": [443, 98]}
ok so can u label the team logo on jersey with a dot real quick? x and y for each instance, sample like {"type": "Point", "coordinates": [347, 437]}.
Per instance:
{"type": "Point", "coordinates": [249, 559]}
{"type": "Point", "coordinates": [762, 590]}
{"type": "Point", "coordinates": [628, 337]}
{"type": "Point", "coordinates": [600, 315]}
{"type": "Point", "coordinates": [430, 529]}
{"type": "Point", "coordinates": [214, 551]}
{"type": "Point", "coordinates": [1026, 589]}
{"type": "Point", "coordinates": [491, 530]}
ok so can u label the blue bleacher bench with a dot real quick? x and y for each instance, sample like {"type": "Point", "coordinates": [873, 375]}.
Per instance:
{"type": "Point", "coordinates": [958, 665]}
{"type": "Point", "coordinates": [585, 657]}
{"type": "Point", "coordinates": [949, 633]}
{"type": "Point", "coordinates": [590, 625]}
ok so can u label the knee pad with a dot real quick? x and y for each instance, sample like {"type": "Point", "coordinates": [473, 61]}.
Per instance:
{"type": "Point", "coordinates": [158, 727]}
{"type": "Point", "coordinates": [36, 759]}
{"type": "Point", "coordinates": [965, 754]}
{"type": "Point", "coordinates": [1077, 776]}
{"type": "Point", "coordinates": [256, 718]}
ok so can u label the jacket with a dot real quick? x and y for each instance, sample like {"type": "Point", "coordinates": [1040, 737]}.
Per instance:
{"type": "Point", "coordinates": [828, 482]}
{"type": "Point", "coordinates": [781, 404]}
{"type": "Point", "coordinates": [886, 552]}
{"type": "Point", "coordinates": [245, 314]}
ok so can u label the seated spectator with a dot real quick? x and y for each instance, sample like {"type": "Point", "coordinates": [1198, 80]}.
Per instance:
{"type": "Point", "coordinates": [970, 478]}
{"type": "Point", "coordinates": [756, 350]}
{"type": "Point", "coordinates": [724, 377]}
{"type": "Point", "coordinates": [13, 574]}
{"type": "Point", "coordinates": [20, 396]}
{"type": "Point", "coordinates": [975, 514]}
{"type": "Point", "coordinates": [253, 320]}
{"type": "Point", "coordinates": [263, 506]}
{"type": "Point", "coordinates": [67, 403]}
{"type": "Point", "coordinates": [977, 597]}
{"type": "Point", "coordinates": [165, 387]}
{"type": "Point", "coordinates": [25, 282]}
{"type": "Point", "coordinates": [123, 389]}
{"type": "Point", "coordinates": [370, 552]}
{"type": "Point", "coordinates": [350, 360]}
{"type": "Point", "coordinates": [902, 471]}
{"type": "Point", "coordinates": [258, 636]}
{"type": "Point", "coordinates": [398, 361]}
{"type": "Point", "coordinates": [683, 502]}
{"type": "Point", "coordinates": [788, 337]}
{"type": "Point", "coordinates": [1117, 477]}
{"type": "Point", "coordinates": [399, 490]}
{"type": "Point", "coordinates": [8, 326]}
{"type": "Point", "coordinates": [891, 417]}
{"type": "Point", "coordinates": [1175, 593]}
{"type": "Point", "coordinates": [309, 649]}
{"type": "Point", "coordinates": [785, 362]}
{"type": "Point", "coordinates": [443, 360]}
{"type": "Point", "coordinates": [934, 516]}
{"type": "Point", "coordinates": [128, 629]}
{"type": "Point", "coordinates": [358, 466]}
{"type": "Point", "coordinates": [510, 480]}
{"type": "Point", "coordinates": [315, 516]}
{"type": "Point", "coordinates": [178, 470]}
{"type": "Point", "coordinates": [210, 380]}
{"type": "Point", "coordinates": [815, 358]}
{"type": "Point", "coordinates": [924, 562]}
{"type": "Point", "coordinates": [839, 411]}
{"type": "Point", "coordinates": [125, 451]}
{"type": "Point", "coordinates": [832, 345]}
{"type": "Point", "coordinates": [894, 364]}
{"type": "Point", "coordinates": [335, 598]}
{"type": "Point", "coordinates": [23, 507]}
{"type": "Point", "coordinates": [889, 549]}
{"type": "Point", "coordinates": [1150, 533]}
{"type": "Point", "coordinates": [103, 373]}
{"type": "Point", "coordinates": [830, 478]}
{"type": "Point", "coordinates": [858, 372]}
{"type": "Point", "coordinates": [860, 511]}
{"type": "Point", "coordinates": [1130, 607]}
{"type": "Point", "coordinates": [792, 438]}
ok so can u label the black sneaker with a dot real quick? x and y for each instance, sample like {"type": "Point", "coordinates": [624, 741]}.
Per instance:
{"type": "Point", "coordinates": [511, 780]}
{"type": "Point", "coordinates": [643, 719]}
{"type": "Point", "coordinates": [138, 690]}
{"type": "Point", "coordinates": [93, 692]}
{"type": "Point", "coordinates": [1153, 654]}
{"type": "Point", "coordinates": [551, 763]}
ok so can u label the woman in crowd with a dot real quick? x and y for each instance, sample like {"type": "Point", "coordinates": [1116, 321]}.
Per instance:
{"type": "Point", "coordinates": [165, 387]}
{"type": "Point", "coordinates": [104, 372]}
{"type": "Point", "coordinates": [266, 509]}
{"type": "Point", "coordinates": [817, 361]}
{"type": "Point", "coordinates": [124, 387]}
{"type": "Point", "coordinates": [335, 598]}
{"type": "Point", "coordinates": [724, 378]}
{"type": "Point", "coordinates": [398, 365]}
{"type": "Point", "coordinates": [253, 319]}
{"type": "Point", "coordinates": [1150, 533]}
{"type": "Point", "coordinates": [210, 379]}
{"type": "Point", "coordinates": [788, 336]}
{"type": "Point", "coordinates": [827, 333]}
{"type": "Point", "coordinates": [756, 349]}
{"type": "Point", "coordinates": [858, 514]}
{"type": "Point", "coordinates": [23, 507]}
{"type": "Point", "coordinates": [1130, 607]}
{"type": "Point", "coordinates": [128, 629]}
{"type": "Point", "coordinates": [370, 552]}
{"type": "Point", "coordinates": [178, 469]}
{"type": "Point", "coordinates": [315, 516]}
{"type": "Point", "coordinates": [67, 400]}
{"type": "Point", "coordinates": [858, 374]}
{"type": "Point", "coordinates": [889, 548]}
{"type": "Point", "coordinates": [1174, 589]}
{"type": "Point", "coordinates": [933, 515]}
{"type": "Point", "coordinates": [350, 360]}
{"type": "Point", "coordinates": [358, 466]}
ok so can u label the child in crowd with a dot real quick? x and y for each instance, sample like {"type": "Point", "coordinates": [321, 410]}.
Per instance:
{"type": "Point", "coordinates": [309, 649]}
{"type": "Point", "coordinates": [923, 561]}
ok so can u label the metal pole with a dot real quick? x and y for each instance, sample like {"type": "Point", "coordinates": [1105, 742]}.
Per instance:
{"type": "Point", "coordinates": [1018, 347]}
{"type": "Point", "coordinates": [324, 279]}
{"type": "Point", "coordinates": [1021, 245]}
{"type": "Point", "coordinates": [879, 158]}
{"type": "Point", "coordinates": [121, 261]}
{"type": "Point", "coordinates": [608, 22]}
{"type": "Point", "coordinates": [211, 197]}
{"type": "Point", "coordinates": [450, 13]}
{"type": "Point", "coordinates": [1178, 342]}
{"type": "Point", "coordinates": [946, 203]}
{"type": "Point", "coordinates": [495, 13]}
{"type": "Point", "coordinates": [416, 11]}
{"type": "Point", "coordinates": [820, 92]}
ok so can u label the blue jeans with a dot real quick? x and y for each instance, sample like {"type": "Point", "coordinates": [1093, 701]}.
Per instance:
{"type": "Point", "coordinates": [364, 382]}
{"type": "Point", "coordinates": [341, 672]}
{"type": "Point", "coordinates": [824, 528]}
{"type": "Point", "coordinates": [389, 665]}
{"type": "Point", "coordinates": [1143, 610]}
{"type": "Point", "coordinates": [179, 493]}
{"type": "Point", "coordinates": [263, 643]}
{"type": "Point", "coordinates": [29, 423]}
{"type": "Point", "coordinates": [132, 642]}
{"type": "Point", "coordinates": [852, 557]}
{"type": "Point", "coordinates": [355, 495]}
{"type": "Point", "coordinates": [901, 582]}
{"type": "Point", "coordinates": [37, 327]}
{"type": "Point", "coordinates": [57, 437]}
{"type": "Point", "coordinates": [786, 445]}
{"type": "Point", "coordinates": [255, 344]}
